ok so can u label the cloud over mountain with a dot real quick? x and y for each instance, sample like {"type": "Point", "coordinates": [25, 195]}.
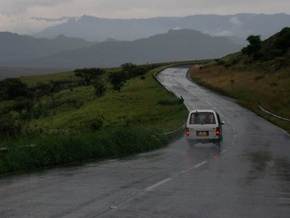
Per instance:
{"type": "Point", "coordinates": [100, 29]}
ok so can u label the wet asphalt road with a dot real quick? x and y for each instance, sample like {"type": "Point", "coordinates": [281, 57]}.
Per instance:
{"type": "Point", "coordinates": [248, 176]}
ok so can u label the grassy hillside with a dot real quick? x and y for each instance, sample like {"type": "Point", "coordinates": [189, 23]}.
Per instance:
{"type": "Point", "coordinates": [59, 120]}
{"type": "Point", "coordinates": [62, 101]}
{"type": "Point", "coordinates": [141, 102]}
{"type": "Point", "coordinates": [261, 78]}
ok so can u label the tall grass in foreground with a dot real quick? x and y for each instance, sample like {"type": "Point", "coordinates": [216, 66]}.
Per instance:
{"type": "Point", "coordinates": [56, 149]}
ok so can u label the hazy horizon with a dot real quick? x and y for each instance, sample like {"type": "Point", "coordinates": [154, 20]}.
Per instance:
{"type": "Point", "coordinates": [31, 16]}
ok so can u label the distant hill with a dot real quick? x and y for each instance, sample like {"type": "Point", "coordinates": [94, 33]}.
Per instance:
{"type": "Point", "coordinates": [238, 26]}
{"type": "Point", "coordinates": [175, 45]}
{"type": "Point", "coordinates": [19, 47]}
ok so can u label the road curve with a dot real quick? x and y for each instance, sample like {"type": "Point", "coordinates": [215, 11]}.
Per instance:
{"type": "Point", "coordinates": [248, 176]}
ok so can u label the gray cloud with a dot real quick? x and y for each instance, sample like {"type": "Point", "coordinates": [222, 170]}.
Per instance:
{"type": "Point", "coordinates": [235, 21]}
{"type": "Point", "coordinates": [16, 14]}
{"type": "Point", "coordinates": [16, 7]}
{"type": "Point", "coordinates": [61, 19]}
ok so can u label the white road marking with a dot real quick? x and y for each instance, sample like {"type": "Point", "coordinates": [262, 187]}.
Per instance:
{"type": "Point", "coordinates": [150, 188]}
{"type": "Point", "coordinates": [200, 164]}
{"type": "Point", "coordinates": [224, 151]}
{"type": "Point", "coordinates": [194, 167]}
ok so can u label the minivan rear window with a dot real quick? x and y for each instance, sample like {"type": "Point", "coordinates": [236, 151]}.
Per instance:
{"type": "Point", "coordinates": [202, 118]}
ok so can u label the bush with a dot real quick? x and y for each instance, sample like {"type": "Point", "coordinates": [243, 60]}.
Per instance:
{"type": "Point", "coordinates": [220, 62]}
{"type": "Point", "coordinates": [87, 75]}
{"type": "Point", "coordinates": [118, 79]}
{"type": "Point", "coordinates": [254, 47]}
{"type": "Point", "coordinates": [259, 77]}
{"type": "Point", "coordinates": [273, 84]}
{"type": "Point", "coordinates": [100, 88]}
{"type": "Point", "coordinates": [12, 88]}
{"type": "Point", "coordinates": [134, 70]}
{"type": "Point", "coordinates": [10, 125]}
{"type": "Point", "coordinates": [97, 123]}
{"type": "Point", "coordinates": [282, 42]}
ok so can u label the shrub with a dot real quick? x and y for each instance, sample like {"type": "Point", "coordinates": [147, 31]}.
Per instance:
{"type": "Point", "coordinates": [282, 42]}
{"type": "Point", "coordinates": [100, 88]}
{"type": "Point", "coordinates": [88, 75]}
{"type": "Point", "coordinates": [12, 88]}
{"type": "Point", "coordinates": [97, 123]}
{"type": "Point", "coordinates": [254, 47]}
{"type": "Point", "coordinates": [220, 61]}
{"type": "Point", "coordinates": [10, 125]}
{"type": "Point", "coordinates": [133, 70]}
{"type": "Point", "coordinates": [118, 79]}
{"type": "Point", "coordinates": [259, 77]}
{"type": "Point", "coordinates": [273, 84]}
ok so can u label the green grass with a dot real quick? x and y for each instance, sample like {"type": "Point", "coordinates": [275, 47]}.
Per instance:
{"type": "Point", "coordinates": [53, 149]}
{"type": "Point", "coordinates": [134, 120]}
{"type": "Point", "coordinates": [138, 103]}
{"type": "Point", "coordinates": [34, 80]}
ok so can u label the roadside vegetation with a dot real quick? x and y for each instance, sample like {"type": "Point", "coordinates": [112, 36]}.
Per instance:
{"type": "Point", "coordinates": [87, 114]}
{"type": "Point", "coordinates": [258, 75]}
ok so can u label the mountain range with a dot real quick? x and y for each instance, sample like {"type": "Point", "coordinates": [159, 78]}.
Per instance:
{"type": "Point", "coordinates": [175, 45]}
{"type": "Point", "coordinates": [21, 47]}
{"type": "Point", "coordinates": [96, 42]}
{"type": "Point", "coordinates": [100, 29]}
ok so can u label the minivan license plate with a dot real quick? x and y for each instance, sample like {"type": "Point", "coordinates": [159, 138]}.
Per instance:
{"type": "Point", "coordinates": [202, 133]}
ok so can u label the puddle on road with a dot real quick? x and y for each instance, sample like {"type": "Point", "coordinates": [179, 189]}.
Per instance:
{"type": "Point", "coordinates": [282, 167]}
{"type": "Point", "coordinates": [149, 155]}
{"type": "Point", "coordinates": [260, 161]}
{"type": "Point", "coordinates": [282, 171]}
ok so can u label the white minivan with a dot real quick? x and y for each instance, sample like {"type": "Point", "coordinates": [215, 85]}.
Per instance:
{"type": "Point", "coordinates": [204, 126]}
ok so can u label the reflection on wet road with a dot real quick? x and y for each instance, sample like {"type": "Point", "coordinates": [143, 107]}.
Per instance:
{"type": "Point", "coordinates": [247, 176]}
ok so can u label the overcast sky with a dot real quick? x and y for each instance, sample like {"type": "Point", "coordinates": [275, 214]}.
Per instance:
{"type": "Point", "coordinates": [29, 16]}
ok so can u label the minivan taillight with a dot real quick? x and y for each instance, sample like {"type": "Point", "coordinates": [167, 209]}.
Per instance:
{"type": "Point", "coordinates": [187, 131]}
{"type": "Point", "coordinates": [217, 131]}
